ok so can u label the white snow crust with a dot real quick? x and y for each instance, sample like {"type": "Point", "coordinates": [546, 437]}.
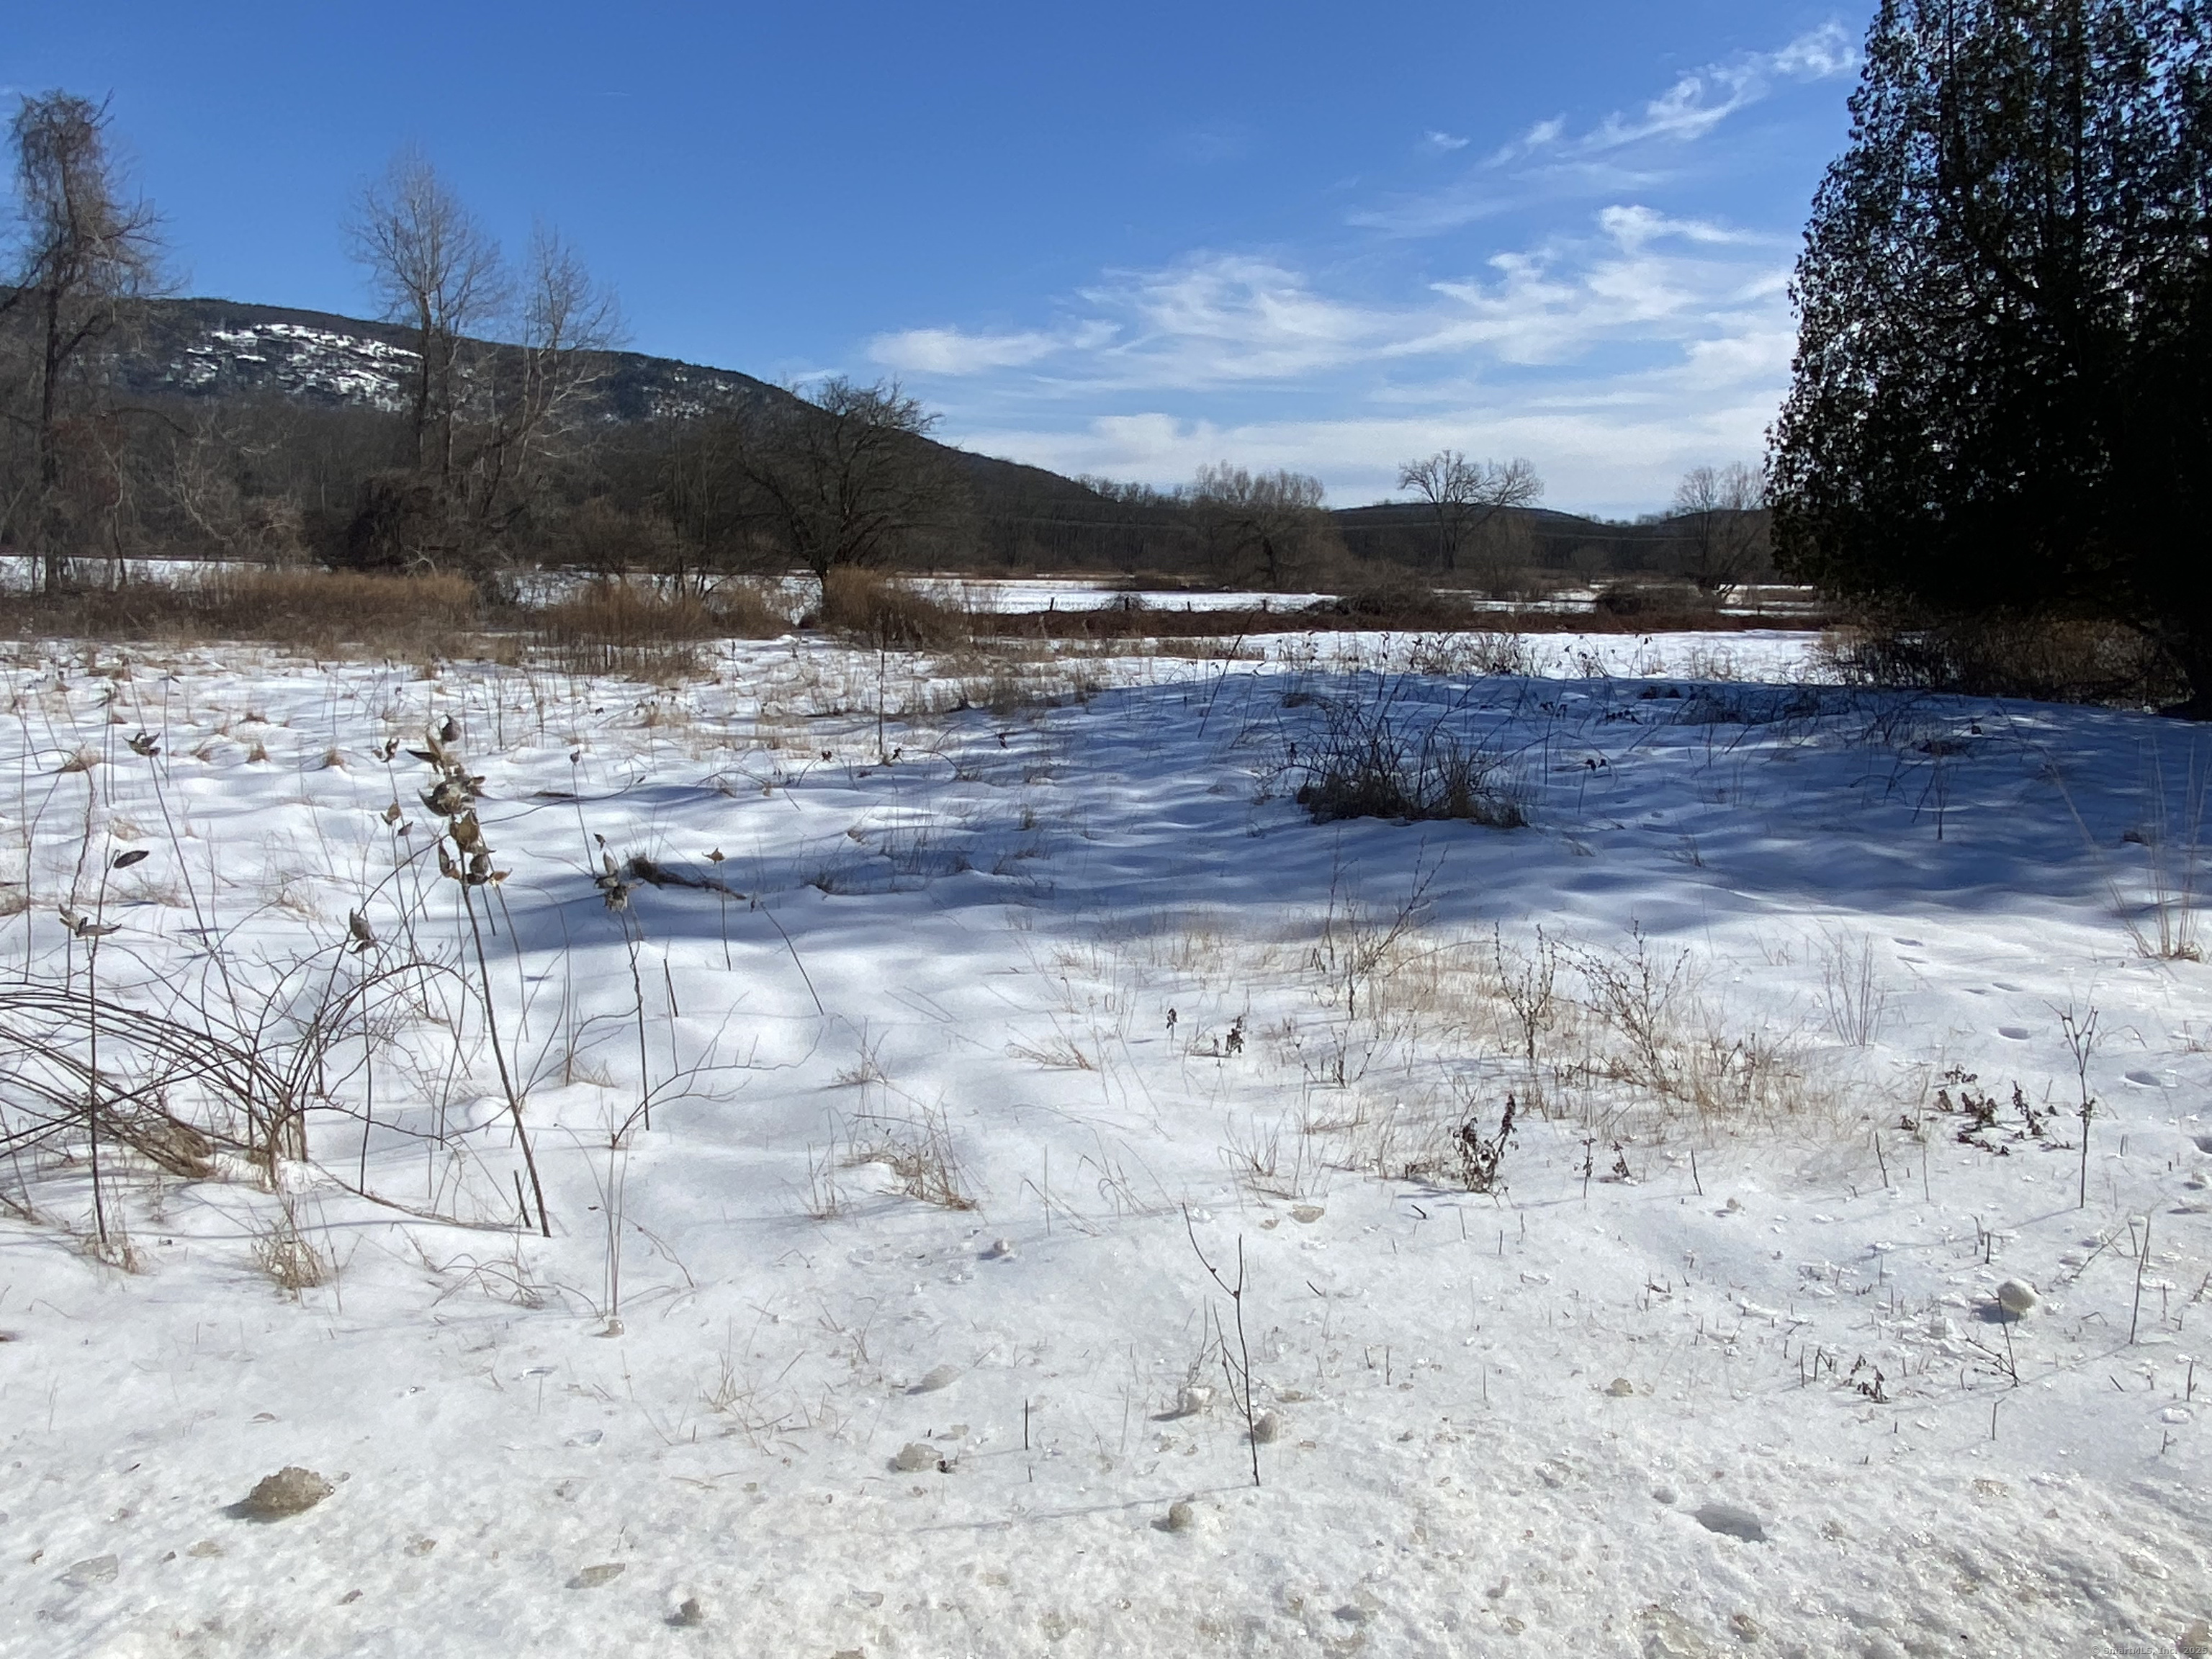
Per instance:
{"type": "Point", "coordinates": [950, 945]}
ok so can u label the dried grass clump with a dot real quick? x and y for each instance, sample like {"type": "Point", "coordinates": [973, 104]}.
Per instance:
{"type": "Point", "coordinates": [1366, 768]}
{"type": "Point", "coordinates": [921, 1155]}
{"type": "Point", "coordinates": [1479, 654]}
{"type": "Point", "coordinates": [611, 624]}
{"type": "Point", "coordinates": [288, 1256]}
{"type": "Point", "coordinates": [889, 614]}
{"type": "Point", "coordinates": [325, 613]}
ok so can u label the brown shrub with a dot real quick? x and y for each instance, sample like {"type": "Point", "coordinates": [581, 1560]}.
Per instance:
{"type": "Point", "coordinates": [890, 614]}
{"type": "Point", "coordinates": [1644, 599]}
{"type": "Point", "coordinates": [1399, 599]}
{"type": "Point", "coordinates": [1366, 768]}
{"type": "Point", "coordinates": [650, 632]}
{"type": "Point", "coordinates": [315, 610]}
{"type": "Point", "coordinates": [636, 614]}
{"type": "Point", "coordinates": [2049, 660]}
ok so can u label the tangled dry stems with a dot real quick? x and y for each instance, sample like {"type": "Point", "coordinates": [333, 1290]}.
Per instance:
{"type": "Point", "coordinates": [1368, 766]}
{"type": "Point", "coordinates": [920, 1153]}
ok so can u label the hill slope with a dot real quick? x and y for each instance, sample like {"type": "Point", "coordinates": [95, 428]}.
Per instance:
{"type": "Point", "coordinates": [224, 349]}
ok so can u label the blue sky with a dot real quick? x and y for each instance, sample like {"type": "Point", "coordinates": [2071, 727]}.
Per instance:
{"type": "Point", "coordinates": [1124, 239]}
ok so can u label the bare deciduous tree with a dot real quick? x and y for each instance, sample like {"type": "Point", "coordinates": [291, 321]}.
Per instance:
{"type": "Point", "coordinates": [489, 422]}
{"type": "Point", "coordinates": [1721, 514]}
{"type": "Point", "coordinates": [844, 477]}
{"type": "Point", "coordinates": [1463, 496]}
{"type": "Point", "coordinates": [1274, 518]}
{"type": "Point", "coordinates": [1499, 557]}
{"type": "Point", "coordinates": [567, 322]}
{"type": "Point", "coordinates": [204, 481]}
{"type": "Point", "coordinates": [84, 250]}
{"type": "Point", "coordinates": [438, 272]}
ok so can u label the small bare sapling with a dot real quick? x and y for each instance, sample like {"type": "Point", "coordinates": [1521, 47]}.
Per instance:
{"type": "Point", "coordinates": [1237, 1367]}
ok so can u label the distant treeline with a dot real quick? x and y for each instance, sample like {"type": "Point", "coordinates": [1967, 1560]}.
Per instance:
{"type": "Point", "coordinates": [490, 423]}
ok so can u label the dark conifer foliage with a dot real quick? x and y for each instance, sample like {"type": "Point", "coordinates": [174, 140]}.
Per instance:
{"type": "Point", "coordinates": [2002, 395]}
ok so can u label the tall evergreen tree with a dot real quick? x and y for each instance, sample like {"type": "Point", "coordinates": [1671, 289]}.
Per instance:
{"type": "Point", "coordinates": [2003, 395]}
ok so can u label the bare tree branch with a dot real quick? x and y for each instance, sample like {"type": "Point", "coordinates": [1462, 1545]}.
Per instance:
{"type": "Point", "coordinates": [1721, 513]}
{"type": "Point", "coordinates": [1464, 495]}
{"type": "Point", "coordinates": [84, 249]}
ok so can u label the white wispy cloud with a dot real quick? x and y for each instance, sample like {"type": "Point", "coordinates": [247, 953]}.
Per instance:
{"type": "Point", "coordinates": [955, 352]}
{"type": "Point", "coordinates": [1701, 99]}
{"type": "Point", "coordinates": [1625, 149]}
{"type": "Point", "coordinates": [1617, 346]}
{"type": "Point", "coordinates": [1521, 357]}
{"type": "Point", "coordinates": [1214, 321]}
{"type": "Point", "coordinates": [1820, 54]}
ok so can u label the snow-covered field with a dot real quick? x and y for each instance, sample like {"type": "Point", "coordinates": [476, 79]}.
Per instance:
{"type": "Point", "coordinates": [1021, 593]}
{"type": "Point", "coordinates": [1021, 992]}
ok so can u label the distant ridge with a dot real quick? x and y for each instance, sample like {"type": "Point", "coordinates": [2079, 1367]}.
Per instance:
{"type": "Point", "coordinates": [216, 350]}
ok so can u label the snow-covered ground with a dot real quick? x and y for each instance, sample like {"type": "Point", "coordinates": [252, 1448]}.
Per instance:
{"type": "Point", "coordinates": [1018, 994]}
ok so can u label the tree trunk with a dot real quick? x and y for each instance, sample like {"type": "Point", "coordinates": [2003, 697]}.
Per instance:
{"type": "Point", "coordinates": [52, 523]}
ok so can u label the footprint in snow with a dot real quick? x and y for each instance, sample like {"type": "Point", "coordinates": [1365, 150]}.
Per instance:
{"type": "Point", "coordinates": [2017, 1033]}
{"type": "Point", "coordinates": [97, 1569]}
{"type": "Point", "coordinates": [1731, 1521]}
